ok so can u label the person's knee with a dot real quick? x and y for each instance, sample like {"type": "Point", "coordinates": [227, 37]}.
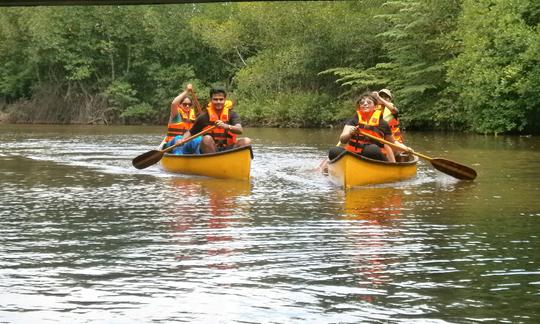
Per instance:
{"type": "Point", "coordinates": [192, 147]}
{"type": "Point", "coordinates": [207, 140]}
{"type": "Point", "coordinates": [173, 141]}
{"type": "Point", "coordinates": [247, 141]}
{"type": "Point", "coordinates": [244, 141]}
{"type": "Point", "coordinates": [373, 151]}
{"type": "Point", "coordinates": [334, 152]}
{"type": "Point", "coordinates": [207, 144]}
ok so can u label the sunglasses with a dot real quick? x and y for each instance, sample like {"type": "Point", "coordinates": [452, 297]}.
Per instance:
{"type": "Point", "coordinates": [187, 104]}
{"type": "Point", "coordinates": [364, 102]}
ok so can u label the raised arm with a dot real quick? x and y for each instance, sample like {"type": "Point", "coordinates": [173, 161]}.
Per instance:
{"type": "Point", "coordinates": [175, 104]}
{"type": "Point", "coordinates": [386, 103]}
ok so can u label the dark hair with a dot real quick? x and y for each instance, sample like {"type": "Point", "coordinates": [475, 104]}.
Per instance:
{"type": "Point", "coordinates": [367, 94]}
{"type": "Point", "coordinates": [217, 89]}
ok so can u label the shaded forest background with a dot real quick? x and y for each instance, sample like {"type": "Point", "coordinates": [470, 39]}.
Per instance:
{"type": "Point", "coordinates": [467, 65]}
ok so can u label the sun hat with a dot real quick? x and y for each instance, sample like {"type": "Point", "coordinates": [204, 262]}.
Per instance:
{"type": "Point", "coordinates": [386, 92]}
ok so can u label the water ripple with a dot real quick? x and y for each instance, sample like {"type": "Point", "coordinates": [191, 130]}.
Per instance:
{"type": "Point", "coordinates": [85, 237]}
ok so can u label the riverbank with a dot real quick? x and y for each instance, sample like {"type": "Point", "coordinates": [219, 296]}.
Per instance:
{"type": "Point", "coordinates": [286, 110]}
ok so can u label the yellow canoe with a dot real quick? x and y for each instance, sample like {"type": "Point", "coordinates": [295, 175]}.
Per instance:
{"type": "Point", "coordinates": [230, 164]}
{"type": "Point", "coordinates": [351, 170]}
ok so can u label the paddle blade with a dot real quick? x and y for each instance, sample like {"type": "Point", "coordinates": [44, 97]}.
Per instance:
{"type": "Point", "coordinates": [147, 159]}
{"type": "Point", "coordinates": [454, 169]}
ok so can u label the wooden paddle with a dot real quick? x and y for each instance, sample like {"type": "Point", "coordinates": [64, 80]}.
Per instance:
{"type": "Point", "coordinates": [152, 157]}
{"type": "Point", "coordinates": [196, 100]}
{"type": "Point", "coordinates": [452, 168]}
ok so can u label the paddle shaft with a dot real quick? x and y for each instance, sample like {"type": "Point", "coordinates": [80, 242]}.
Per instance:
{"type": "Point", "coordinates": [185, 140]}
{"type": "Point", "coordinates": [197, 104]}
{"type": "Point", "coordinates": [382, 140]}
{"type": "Point", "coordinates": [151, 157]}
{"type": "Point", "coordinates": [452, 168]}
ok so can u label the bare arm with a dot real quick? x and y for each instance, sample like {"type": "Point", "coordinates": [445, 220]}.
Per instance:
{"type": "Point", "coordinates": [402, 147]}
{"type": "Point", "coordinates": [175, 104]}
{"type": "Point", "coordinates": [235, 129]}
{"type": "Point", "coordinates": [347, 133]}
{"type": "Point", "coordinates": [389, 153]}
{"type": "Point", "coordinates": [386, 103]}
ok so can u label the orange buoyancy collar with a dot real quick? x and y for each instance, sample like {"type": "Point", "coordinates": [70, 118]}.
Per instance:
{"type": "Point", "coordinates": [393, 122]}
{"type": "Point", "coordinates": [358, 141]}
{"type": "Point", "coordinates": [221, 136]}
{"type": "Point", "coordinates": [396, 131]}
{"type": "Point", "coordinates": [187, 118]}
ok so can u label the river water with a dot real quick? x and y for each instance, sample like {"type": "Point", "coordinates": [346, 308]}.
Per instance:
{"type": "Point", "coordinates": [86, 238]}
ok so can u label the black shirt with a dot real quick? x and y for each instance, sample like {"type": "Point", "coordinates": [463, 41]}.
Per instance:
{"type": "Point", "coordinates": [204, 120]}
{"type": "Point", "coordinates": [383, 125]}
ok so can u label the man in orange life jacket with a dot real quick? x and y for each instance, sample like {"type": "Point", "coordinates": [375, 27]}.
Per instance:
{"type": "Point", "coordinates": [180, 121]}
{"type": "Point", "coordinates": [369, 120]}
{"type": "Point", "coordinates": [227, 122]}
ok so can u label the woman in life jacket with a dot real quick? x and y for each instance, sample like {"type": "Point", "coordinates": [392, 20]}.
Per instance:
{"type": "Point", "coordinates": [367, 120]}
{"type": "Point", "coordinates": [181, 120]}
{"type": "Point", "coordinates": [228, 125]}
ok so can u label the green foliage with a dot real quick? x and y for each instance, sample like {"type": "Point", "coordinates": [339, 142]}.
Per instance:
{"type": "Point", "coordinates": [289, 110]}
{"type": "Point", "coordinates": [121, 95]}
{"type": "Point", "coordinates": [468, 64]}
{"type": "Point", "coordinates": [121, 98]}
{"type": "Point", "coordinates": [414, 42]}
{"type": "Point", "coordinates": [138, 113]}
{"type": "Point", "coordinates": [496, 68]}
{"type": "Point", "coordinates": [16, 73]}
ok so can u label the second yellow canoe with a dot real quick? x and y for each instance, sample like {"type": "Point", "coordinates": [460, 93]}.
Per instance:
{"type": "Point", "coordinates": [351, 170]}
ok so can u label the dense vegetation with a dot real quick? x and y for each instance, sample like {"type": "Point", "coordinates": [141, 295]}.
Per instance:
{"type": "Point", "coordinates": [461, 64]}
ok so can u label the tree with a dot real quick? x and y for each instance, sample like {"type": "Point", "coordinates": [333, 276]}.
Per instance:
{"type": "Point", "coordinates": [494, 74]}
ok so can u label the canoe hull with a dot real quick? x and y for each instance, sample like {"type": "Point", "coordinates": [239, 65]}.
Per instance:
{"type": "Point", "coordinates": [231, 164]}
{"type": "Point", "coordinates": [351, 170]}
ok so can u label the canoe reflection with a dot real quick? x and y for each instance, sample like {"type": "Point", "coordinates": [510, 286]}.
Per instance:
{"type": "Point", "coordinates": [376, 213]}
{"type": "Point", "coordinates": [216, 210]}
{"type": "Point", "coordinates": [373, 204]}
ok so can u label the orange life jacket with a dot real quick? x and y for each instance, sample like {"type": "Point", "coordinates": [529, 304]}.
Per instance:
{"type": "Point", "coordinates": [393, 122]}
{"type": "Point", "coordinates": [222, 137]}
{"type": "Point", "coordinates": [396, 132]}
{"type": "Point", "coordinates": [358, 141]}
{"type": "Point", "coordinates": [185, 123]}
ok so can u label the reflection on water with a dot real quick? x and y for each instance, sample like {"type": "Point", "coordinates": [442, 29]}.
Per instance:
{"type": "Point", "coordinates": [375, 205]}
{"type": "Point", "coordinates": [377, 214]}
{"type": "Point", "coordinates": [85, 237]}
{"type": "Point", "coordinates": [213, 203]}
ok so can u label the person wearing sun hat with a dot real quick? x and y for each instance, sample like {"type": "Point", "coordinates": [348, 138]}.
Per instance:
{"type": "Point", "coordinates": [367, 120]}
{"type": "Point", "coordinates": [390, 112]}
